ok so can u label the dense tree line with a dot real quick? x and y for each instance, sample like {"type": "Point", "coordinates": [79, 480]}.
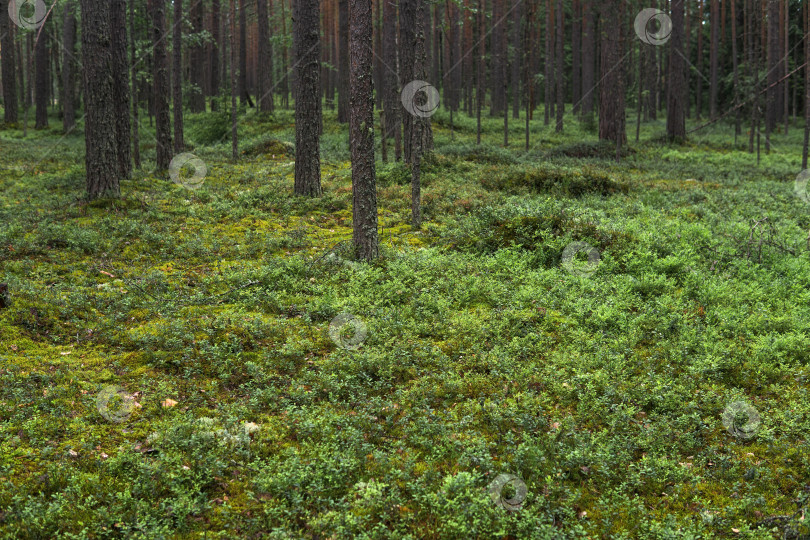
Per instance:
{"type": "Point", "coordinates": [708, 60]}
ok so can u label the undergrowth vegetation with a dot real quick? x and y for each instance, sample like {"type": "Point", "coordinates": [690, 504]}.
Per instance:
{"type": "Point", "coordinates": [167, 368]}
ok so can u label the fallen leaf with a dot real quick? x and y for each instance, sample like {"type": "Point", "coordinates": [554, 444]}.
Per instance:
{"type": "Point", "coordinates": [168, 403]}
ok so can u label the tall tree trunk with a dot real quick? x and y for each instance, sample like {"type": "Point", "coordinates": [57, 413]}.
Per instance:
{"type": "Point", "coordinates": [611, 94]}
{"type": "Point", "coordinates": [714, 54]}
{"type": "Point", "coordinates": [343, 59]}
{"type": "Point", "coordinates": [306, 33]}
{"type": "Point", "coordinates": [101, 161]}
{"type": "Point", "coordinates": [177, 76]}
{"type": "Point", "coordinates": [772, 108]}
{"type": "Point", "coordinates": [42, 84]}
{"type": "Point", "coordinates": [136, 140]}
{"type": "Point", "coordinates": [215, 52]}
{"type": "Point", "coordinates": [364, 188]}
{"type": "Point", "coordinates": [700, 77]}
{"type": "Point", "coordinates": [676, 114]}
{"type": "Point", "coordinates": [407, 40]}
{"type": "Point", "coordinates": [8, 69]}
{"type": "Point", "coordinates": [377, 50]}
{"type": "Point", "coordinates": [785, 67]}
{"type": "Point", "coordinates": [391, 102]}
{"type": "Point", "coordinates": [244, 92]}
{"type": "Point", "coordinates": [234, 82]}
{"type": "Point", "coordinates": [560, 68]}
{"type": "Point", "coordinates": [118, 37]}
{"type": "Point", "coordinates": [517, 17]}
{"type": "Point", "coordinates": [548, 67]}
{"type": "Point", "coordinates": [421, 125]}
{"type": "Point", "coordinates": [588, 57]}
{"type": "Point", "coordinates": [498, 58]}
{"type": "Point", "coordinates": [576, 37]}
{"type": "Point", "coordinates": [735, 61]}
{"type": "Point", "coordinates": [68, 67]}
{"type": "Point", "coordinates": [265, 65]}
{"type": "Point", "coordinates": [480, 93]}
{"type": "Point", "coordinates": [806, 148]}
{"type": "Point", "coordinates": [196, 57]}
{"type": "Point", "coordinates": [285, 85]}
{"type": "Point", "coordinates": [163, 145]}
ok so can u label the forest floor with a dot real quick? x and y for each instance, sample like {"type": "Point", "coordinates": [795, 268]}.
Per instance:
{"type": "Point", "coordinates": [167, 368]}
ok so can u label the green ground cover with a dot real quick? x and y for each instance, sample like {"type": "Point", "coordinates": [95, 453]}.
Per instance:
{"type": "Point", "coordinates": [167, 368]}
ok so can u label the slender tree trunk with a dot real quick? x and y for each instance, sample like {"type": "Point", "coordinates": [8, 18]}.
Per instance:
{"type": "Point", "coordinates": [588, 58]}
{"type": "Point", "coordinates": [785, 67]}
{"type": "Point", "coordinates": [215, 52]}
{"type": "Point", "coordinates": [364, 189]}
{"type": "Point", "coordinates": [611, 94]}
{"type": "Point", "coordinates": [498, 58]}
{"type": "Point", "coordinates": [101, 161]}
{"type": "Point", "coordinates": [177, 76]}
{"type": "Point", "coordinates": [390, 89]}
{"type": "Point", "coordinates": [41, 88]}
{"type": "Point", "coordinates": [306, 32]}
{"type": "Point", "coordinates": [234, 82]}
{"type": "Point", "coordinates": [676, 113]}
{"type": "Point", "coordinates": [196, 56]}
{"type": "Point", "coordinates": [160, 76]}
{"type": "Point", "coordinates": [422, 139]}
{"type": "Point", "coordinates": [517, 17]}
{"type": "Point", "coordinates": [715, 52]}
{"type": "Point", "coordinates": [285, 90]}
{"type": "Point", "coordinates": [377, 58]}
{"type": "Point", "coordinates": [343, 66]}
{"type": "Point", "coordinates": [118, 36]}
{"type": "Point", "coordinates": [244, 92]}
{"type": "Point", "coordinates": [480, 93]}
{"type": "Point", "coordinates": [548, 78]}
{"type": "Point", "coordinates": [407, 40]}
{"type": "Point", "coordinates": [772, 108]}
{"type": "Point", "coordinates": [265, 65]}
{"type": "Point", "coordinates": [136, 141]}
{"type": "Point", "coordinates": [699, 78]}
{"type": "Point", "coordinates": [9, 73]}
{"type": "Point", "coordinates": [576, 37]}
{"type": "Point", "coordinates": [806, 8]}
{"type": "Point", "coordinates": [560, 68]}
{"type": "Point", "coordinates": [68, 68]}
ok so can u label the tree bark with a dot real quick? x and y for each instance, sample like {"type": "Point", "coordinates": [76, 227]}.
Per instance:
{"type": "Point", "coordinates": [177, 76]}
{"type": "Point", "coordinates": [196, 57]}
{"type": "Point", "coordinates": [42, 82]}
{"type": "Point", "coordinates": [700, 77]}
{"type": "Point", "coordinates": [214, 59]}
{"type": "Point", "coordinates": [576, 38]}
{"type": "Point", "coordinates": [715, 52]}
{"type": "Point", "coordinates": [772, 107]}
{"type": "Point", "coordinates": [265, 66]}
{"type": "Point", "coordinates": [806, 148]}
{"type": "Point", "coordinates": [343, 60]}
{"type": "Point", "coordinates": [163, 144]}
{"type": "Point", "coordinates": [68, 68]}
{"type": "Point", "coordinates": [136, 142]}
{"type": "Point", "coordinates": [498, 58]}
{"type": "Point", "coordinates": [244, 92]}
{"type": "Point", "coordinates": [8, 69]}
{"type": "Point", "coordinates": [588, 57]}
{"type": "Point", "coordinates": [306, 32]}
{"type": "Point", "coordinates": [234, 83]}
{"type": "Point", "coordinates": [391, 101]}
{"type": "Point", "coordinates": [101, 162]}
{"type": "Point", "coordinates": [560, 68]}
{"type": "Point", "coordinates": [676, 114]}
{"type": "Point", "coordinates": [517, 17]}
{"type": "Point", "coordinates": [611, 93]}
{"type": "Point", "coordinates": [407, 40]}
{"type": "Point", "coordinates": [118, 33]}
{"type": "Point", "coordinates": [364, 189]}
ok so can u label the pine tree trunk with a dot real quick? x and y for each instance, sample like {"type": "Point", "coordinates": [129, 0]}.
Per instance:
{"type": "Point", "coordinates": [306, 34]}
{"type": "Point", "coordinates": [234, 82]}
{"type": "Point", "coordinates": [244, 92]}
{"type": "Point", "coordinates": [196, 57]}
{"type": "Point", "coordinates": [8, 70]}
{"type": "Point", "coordinates": [343, 66]}
{"type": "Point", "coordinates": [699, 78]}
{"type": "Point", "coordinates": [99, 134]}
{"type": "Point", "coordinates": [68, 68]}
{"type": "Point", "coordinates": [136, 141]}
{"type": "Point", "coordinates": [265, 62]}
{"type": "Point", "coordinates": [407, 39]}
{"type": "Point", "coordinates": [806, 148]}
{"type": "Point", "coordinates": [163, 145]}
{"type": "Point", "coordinates": [41, 84]}
{"type": "Point", "coordinates": [715, 52]}
{"type": "Point", "coordinates": [772, 107]}
{"type": "Point", "coordinates": [391, 102]}
{"type": "Point", "coordinates": [588, 58]}
{"type": "Point", "coordinates": [215, 51]}
{"type": "Point", "coordinates": [735, 61]}
{"type": "Point", "coordinates": [364, 189]}
{"type": "Point", "coordinates": [480, 93]}
{"type": "Point", "coordinates": [676, 113]}
{"type": "Point", "coordinates": [611, 94]}
{"type": "Point", "coordinates": [120, 68]}
{"type": "Point", "coordinates": [576, 37]}
{"type": "Point", "coordinates": [177, 76]}
{"type": "Point", "coordinates": [517, 17]}
{"type": "Point", "coordinates": [548, 63]}
{"type": "Point", "coordinates": [560, 53]}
